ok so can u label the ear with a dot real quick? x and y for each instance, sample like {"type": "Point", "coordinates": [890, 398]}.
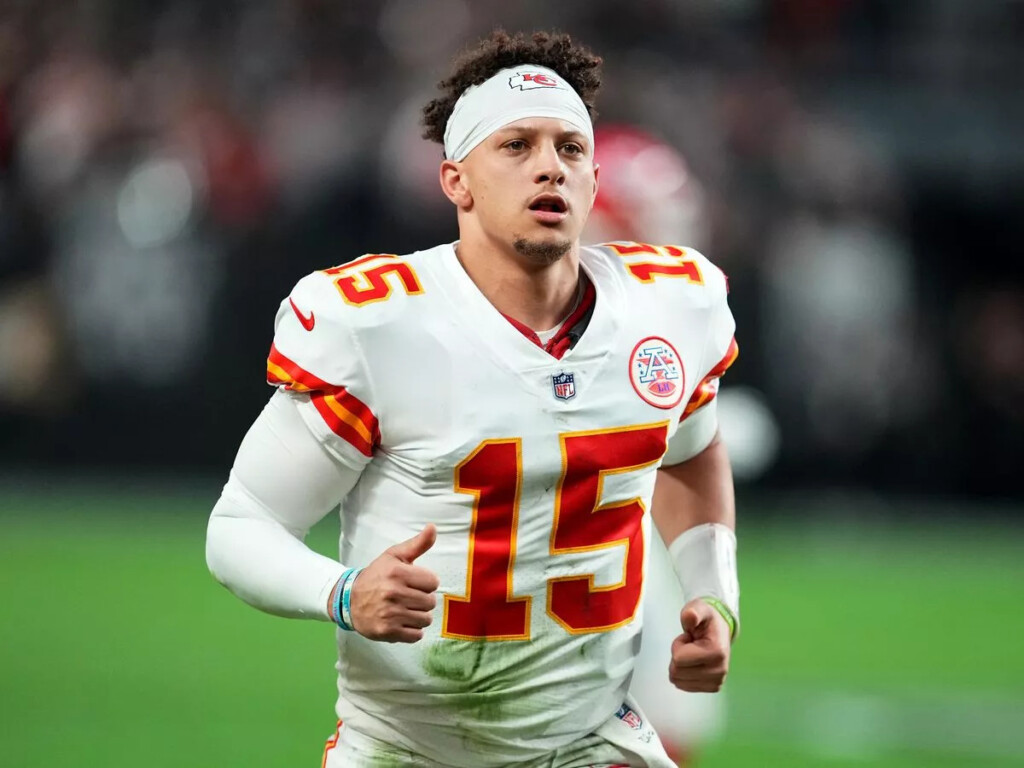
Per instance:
{"type": "Point", "coordinates": [597, 173]}
{"type": "Point", "coordinates": [454, 184]}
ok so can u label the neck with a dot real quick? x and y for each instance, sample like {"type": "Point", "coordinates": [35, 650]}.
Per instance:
{"type": "Point", "coordinates": [538, 296]}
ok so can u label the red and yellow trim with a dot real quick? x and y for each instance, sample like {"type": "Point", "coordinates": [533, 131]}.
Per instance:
{"type": "Point", "coordinates": [332, 742]}
{"type": "Point", "coordinates": [346, 415]}
{"type": "Point", "coordinates": [705, 391]}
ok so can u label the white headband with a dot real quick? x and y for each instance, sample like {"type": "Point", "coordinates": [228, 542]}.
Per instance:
{"type": "Point", "coordinates": [510, 95]}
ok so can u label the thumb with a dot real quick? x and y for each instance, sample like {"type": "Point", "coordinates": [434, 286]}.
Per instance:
{"type": "Point", "coordinates": [408, 550]}
{"type": "Point", "coordinates": [692, 618]}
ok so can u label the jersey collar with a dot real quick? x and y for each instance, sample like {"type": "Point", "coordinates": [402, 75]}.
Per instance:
{"type": "Point", "coordinates": [570, 330]}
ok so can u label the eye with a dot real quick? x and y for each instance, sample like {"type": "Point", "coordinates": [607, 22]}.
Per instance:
{"type": "Point", "coordinates": [516, 145]}
{"type": "Point", "coordinates": [572, 149]}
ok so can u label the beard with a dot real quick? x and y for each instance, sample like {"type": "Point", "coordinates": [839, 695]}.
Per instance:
{"type": "Point", "coordinates": [542, 252]}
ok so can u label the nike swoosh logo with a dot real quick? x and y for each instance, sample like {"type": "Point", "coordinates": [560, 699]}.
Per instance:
{"type": "Point", "coordinates": [307, 322]}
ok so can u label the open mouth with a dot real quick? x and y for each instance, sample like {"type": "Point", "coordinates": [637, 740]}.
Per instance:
{"type": "Point", "coordinates": [549, 204]}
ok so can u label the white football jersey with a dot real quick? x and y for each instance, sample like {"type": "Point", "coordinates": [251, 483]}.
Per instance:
{"type": "Point", "coordinates": [538, 473]}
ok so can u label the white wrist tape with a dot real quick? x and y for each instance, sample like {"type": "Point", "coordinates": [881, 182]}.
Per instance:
{"type": "Point", "coordinates": [705, 561]}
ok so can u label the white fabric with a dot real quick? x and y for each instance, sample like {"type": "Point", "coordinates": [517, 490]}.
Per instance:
{"type": "Point", "coordinates": [548, 335]}
{"type": "Point", "coordinates": [705, 561]}
{"type": "Point", "coordinates": [526, 90]}
{"type": "Point", "coordinates": [445, 377]}
{"type": "Point", "coordinates": [624, 736]}
{"type": "Point", "coordinates": [282, 483]}
{"type": "Point", "coordinates": [695, 433]}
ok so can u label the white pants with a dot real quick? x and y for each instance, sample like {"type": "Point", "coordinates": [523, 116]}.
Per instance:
{"type": "Point", "coordinates": [624, 740]}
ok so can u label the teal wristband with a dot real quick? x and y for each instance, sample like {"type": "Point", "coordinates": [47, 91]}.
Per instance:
{"type": "Point", "coordinates": [339, 590]}
{"type": "Point", "coordinates": [346, 600]}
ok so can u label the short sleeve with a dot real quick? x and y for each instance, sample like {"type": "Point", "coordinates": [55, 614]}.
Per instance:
{"type": "Point", "coordinates": [698, 422]}
{"type": "Point", "coordinates": [315, 357]}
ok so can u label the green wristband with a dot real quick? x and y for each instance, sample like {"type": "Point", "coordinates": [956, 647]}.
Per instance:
{"type": "Point", "coordinates": [721, 607]}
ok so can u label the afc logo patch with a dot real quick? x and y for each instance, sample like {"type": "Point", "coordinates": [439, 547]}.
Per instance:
{"type": "Point", "coordinates": [564, 385]}
{"type": "Point", "coordinates": [528, 81]}
{"type": "Point", "coordinates": [656, 372]}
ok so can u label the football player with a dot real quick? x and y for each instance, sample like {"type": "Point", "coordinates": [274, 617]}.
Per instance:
{"type": "Point", "coordinates": [495, 416]}
{"type": "Point", "coordinates": [648, 191]}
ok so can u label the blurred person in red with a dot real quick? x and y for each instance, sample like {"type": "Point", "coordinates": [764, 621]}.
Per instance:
{"type": "Point", "coordinates": [648, 191]}
{"type": "Point", "coordinates": [496, 416]}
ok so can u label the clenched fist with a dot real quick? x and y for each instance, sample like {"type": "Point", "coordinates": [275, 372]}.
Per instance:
{"type": "Point", "coordinates": [700, 656]}
{"type": "Point", "coordinates": [392, 598]}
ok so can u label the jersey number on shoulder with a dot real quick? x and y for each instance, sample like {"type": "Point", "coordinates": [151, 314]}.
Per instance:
{"type": "Point", "coordinates": [672, 262]}
{"type": "Point", "coordinates": [372, 277]}
{"type": "Point", "coordinates": [493, 474]}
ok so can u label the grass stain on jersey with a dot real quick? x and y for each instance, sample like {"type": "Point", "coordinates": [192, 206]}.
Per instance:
{"type": "Point", "coordinates": [454, 660]}
{"type": "Point", "coordinates": [479, 674]}
{"type": "Point", "coordinates": [383, 758]}
{"type": "Point", "coordinates": [477, 665]}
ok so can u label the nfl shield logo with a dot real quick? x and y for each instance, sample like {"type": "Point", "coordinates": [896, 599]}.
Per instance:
{"type": "Point", "coordinates": [564, 385]}
{"type": "Point", "coordinates": [629, 717]}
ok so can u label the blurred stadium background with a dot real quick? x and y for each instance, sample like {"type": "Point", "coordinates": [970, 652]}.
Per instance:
{"type": "Point", "coordinates": [169, 169]}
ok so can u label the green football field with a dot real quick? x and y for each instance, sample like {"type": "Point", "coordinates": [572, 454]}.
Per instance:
{"type": "Point", "coordinates": [864, 644]}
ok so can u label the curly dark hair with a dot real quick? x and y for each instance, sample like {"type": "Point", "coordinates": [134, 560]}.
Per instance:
{"type": "Point", "coordinates": [580, 67]}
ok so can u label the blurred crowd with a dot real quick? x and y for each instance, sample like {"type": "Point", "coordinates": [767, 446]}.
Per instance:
{"type": "Point", "coordinates": [169, 169]}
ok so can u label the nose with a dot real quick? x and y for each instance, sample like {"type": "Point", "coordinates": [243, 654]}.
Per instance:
{"type": "Point", "coordinates": [549, 168]}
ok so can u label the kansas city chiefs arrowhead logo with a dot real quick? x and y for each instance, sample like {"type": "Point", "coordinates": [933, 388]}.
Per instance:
{"type": "Point", "coordinates": [528, 81]}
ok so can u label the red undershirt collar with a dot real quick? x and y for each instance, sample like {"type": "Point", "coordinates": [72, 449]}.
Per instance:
{"type": "Point", "coordinates": [564, 337]}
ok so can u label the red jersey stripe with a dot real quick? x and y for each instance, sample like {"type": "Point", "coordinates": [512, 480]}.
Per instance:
{"type": "Point", "coordinates": [341, 427]}
{"type": "Point", "coordinates": [338, 408]}
{"type": "Point", "coordinates": [297, 378]}
{"type": "Point", "coordinates": [294, 373]}
{"type": "Point", "coordinates": [347, 416]}
{"type": "Point", "coordinates": [707, 389]}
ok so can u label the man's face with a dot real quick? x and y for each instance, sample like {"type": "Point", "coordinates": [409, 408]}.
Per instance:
{"type": "Point", "coordinates": [532, 184]}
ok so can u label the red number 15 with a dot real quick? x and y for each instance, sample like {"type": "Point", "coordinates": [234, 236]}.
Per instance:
{"type": "Point", "coordinates": [493, 474]}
